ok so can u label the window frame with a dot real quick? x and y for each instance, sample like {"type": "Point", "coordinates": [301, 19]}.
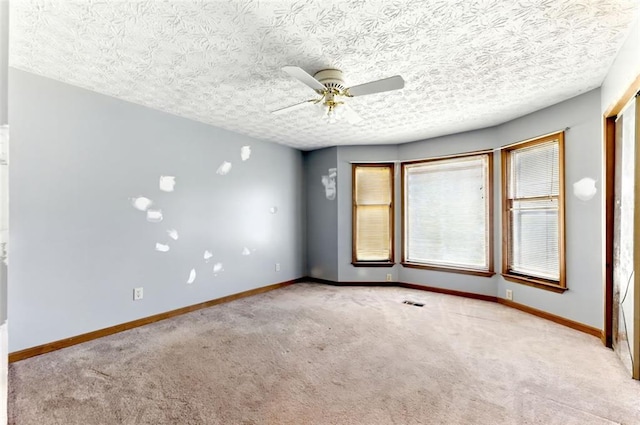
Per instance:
{"type": "Point", "coordinates": [551, 285]}
{"type": "Point", "coordinates": [354, 230]}
{"type": "Point", "coordinates": [489, 232]}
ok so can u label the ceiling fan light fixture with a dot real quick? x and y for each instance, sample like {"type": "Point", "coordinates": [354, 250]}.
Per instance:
{"type": "Point", "coordinates": [332, 109]}
{"type": "Point", "coordinates": [333, 113]}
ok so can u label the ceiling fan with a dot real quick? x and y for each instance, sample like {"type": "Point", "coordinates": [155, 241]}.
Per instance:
{"type": "Point", "coordinates": [329, 85]}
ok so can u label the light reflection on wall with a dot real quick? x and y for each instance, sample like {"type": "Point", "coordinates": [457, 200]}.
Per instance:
{"type": "Point", "coordinates": [255, 217]}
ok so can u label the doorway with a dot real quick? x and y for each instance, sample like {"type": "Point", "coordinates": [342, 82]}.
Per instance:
{"type": "Point", "coordinates": [622, 231]}
{"type": "Point", "coordinates": [624, 288]}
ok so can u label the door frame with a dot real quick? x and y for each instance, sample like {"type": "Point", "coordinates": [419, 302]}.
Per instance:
{"type": "Point", "coordinates": [609, 120]}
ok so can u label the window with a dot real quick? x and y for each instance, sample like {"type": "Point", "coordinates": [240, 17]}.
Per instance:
{"type": "Point", "coordinates": [373, 214]}
{"type": "Point", "coordinates": [533, 212]}
{"type": "Point", "coordinates": [447, 214]}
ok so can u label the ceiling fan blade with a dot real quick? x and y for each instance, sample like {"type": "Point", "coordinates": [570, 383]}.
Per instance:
{"type": "Point", "coordinates": [303, 76]}
{"type": "Point", "coordinates": [292, 107]}
{"type": "Point", "coordinates": [387, 84]}
{"type": "Point", "coordinates": [350, 115]}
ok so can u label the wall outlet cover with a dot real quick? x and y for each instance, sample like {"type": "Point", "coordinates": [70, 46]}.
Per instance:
{"type": "Point", "coordinates": [509, 294]}
{"type": "Point", "coordinates": [138, 293]}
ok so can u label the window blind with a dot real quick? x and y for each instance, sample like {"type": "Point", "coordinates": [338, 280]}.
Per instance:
{"type": "Point", "coordinates": [373, 203]}
{"type": "Point", "coordinates": [533, 197]}
{"type": "Point", "coordinates": [447, 212]}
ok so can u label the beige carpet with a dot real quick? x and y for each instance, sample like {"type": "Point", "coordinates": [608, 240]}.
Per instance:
{"type": "Point", "coordinates": [316, 354]}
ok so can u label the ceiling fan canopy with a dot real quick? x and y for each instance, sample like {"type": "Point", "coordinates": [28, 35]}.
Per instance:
{"type": "Point", "coordinates": [329, 85]}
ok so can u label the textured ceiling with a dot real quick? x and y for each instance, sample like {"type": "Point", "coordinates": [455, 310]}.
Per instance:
{"type": "Point", "coordinates": [467, 63]}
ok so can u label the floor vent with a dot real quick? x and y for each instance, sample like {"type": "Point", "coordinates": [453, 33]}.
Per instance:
{"type": "Point", "coordinates": [413, 303]}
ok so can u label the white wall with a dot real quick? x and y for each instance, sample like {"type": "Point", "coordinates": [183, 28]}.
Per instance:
{"type": "Point", "coordinates": [624, 70]}
{"type": "Point", "coordinates": [4, 138]}
{"type": "Point", "coordinates": [4, 60]}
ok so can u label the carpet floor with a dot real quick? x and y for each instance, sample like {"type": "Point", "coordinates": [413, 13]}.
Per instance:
{"type": "Point", "coordinates": [318, 354]}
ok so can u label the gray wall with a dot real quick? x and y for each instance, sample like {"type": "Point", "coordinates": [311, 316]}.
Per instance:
{"type": "Point", "coordinates": [346, 154]}
{"type": "Point", "coordinates": [322, 215]}
{"type": "Point", "coordinates": [78, 247]}
{"type": "Point", "coordinates": [583, 302]}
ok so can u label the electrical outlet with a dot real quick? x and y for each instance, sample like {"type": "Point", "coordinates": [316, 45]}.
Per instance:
{"type": "Point", "coordinates": [277, 267]}
{"type": "Point", "coordinates": [137, 294]}
{"type": "Point", "coordinates": [389, 277]}
{"type": "Point", "coordinates": [510, 294]}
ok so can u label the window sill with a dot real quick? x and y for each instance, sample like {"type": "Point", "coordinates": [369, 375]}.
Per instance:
{"type": "Point", "coordinates": [474, 272]}
{"type": "Point", "coordinates": [536, 283]}
{"type": "Point", "coordinates": [372, 264]}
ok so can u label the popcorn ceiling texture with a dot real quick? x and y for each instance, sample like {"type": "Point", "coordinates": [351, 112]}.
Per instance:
{"type": "Point", "coordinates": [467, 64]}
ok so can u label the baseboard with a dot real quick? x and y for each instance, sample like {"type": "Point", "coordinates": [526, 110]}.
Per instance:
{"type": "Point", "coordinates": [68, 342]}
{"type": "Point", "coordinates": [549, 316]}
{"type": "Point", "coordinates": [325, 281]}
{"type": "Point", "coordinates": [464, 294]}
{"type": "Point", "coordinates": [408, 285]}
{"type": "Point", "coordinates": [534, 311]}
{"type": "Point", "coordinates": [348, 283]}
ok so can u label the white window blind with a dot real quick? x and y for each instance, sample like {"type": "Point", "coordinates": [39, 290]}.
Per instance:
{"type": "Point", "coordinates": [533, 210]}
{"type": "Point", "coordinates": [372, 210]}
{"type": "Point", "coordinates": [447, 212]}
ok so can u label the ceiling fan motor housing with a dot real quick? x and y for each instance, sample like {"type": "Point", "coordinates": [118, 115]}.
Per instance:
{"type": "Point", "coordinates": [331, 79]}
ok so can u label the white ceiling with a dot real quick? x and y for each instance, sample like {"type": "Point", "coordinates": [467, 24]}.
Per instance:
{"type": "Point", "coordinates": [467, 63]}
